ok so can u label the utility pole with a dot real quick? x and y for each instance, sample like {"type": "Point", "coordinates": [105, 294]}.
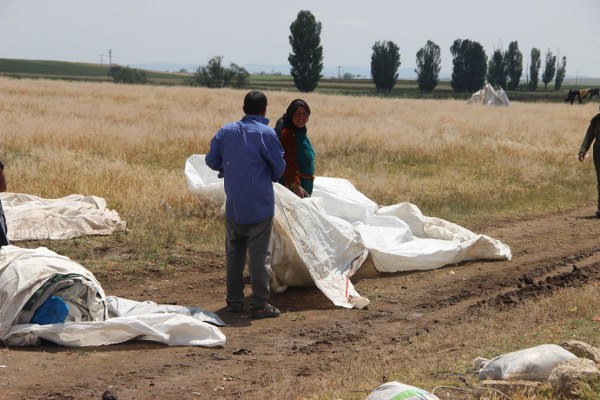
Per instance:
{"type": "Point", "coordinates": [339, 74]}
{"type": "Point", "coordinates": [109, 62]}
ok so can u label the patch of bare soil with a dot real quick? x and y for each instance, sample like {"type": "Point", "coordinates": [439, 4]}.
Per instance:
{"type": "Point", "coordinates": [312, 338]}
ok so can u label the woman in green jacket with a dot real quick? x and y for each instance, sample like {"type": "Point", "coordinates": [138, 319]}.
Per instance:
{"type": "Point", "coordinates": [299, 154]}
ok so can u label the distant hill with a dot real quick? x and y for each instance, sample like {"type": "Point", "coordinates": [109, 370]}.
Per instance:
{"type": "Point", "coordinates": [74, 71]}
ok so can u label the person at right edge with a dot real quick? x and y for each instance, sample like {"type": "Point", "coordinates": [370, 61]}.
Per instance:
{"type": "Point", "coordinates": [593, 135]}
{"type": "Point", "coordinates": [299, 155]}
{"type": "Point", "coordinates": [3, 228]}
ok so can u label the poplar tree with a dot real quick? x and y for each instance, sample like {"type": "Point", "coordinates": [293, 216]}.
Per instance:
{"type": "Point", "coordinates": [428, 67]}
{"type": "Point", "coordinates": [385, 62]}
{"type": "Point", "coordinates": [496, 73]}
{"type": "Point", "coordinates": [549, 69]}
{"type": "Point", "coordinates": [514, 65]}
{"type": "Point", "coordinates": [306, 57]}
{"type": "Point", "coordinates": [534, 69]}
{"type": "Point", "coordinates": [560, 74]}
{"type": "Point", "coordinates": [469, 66]}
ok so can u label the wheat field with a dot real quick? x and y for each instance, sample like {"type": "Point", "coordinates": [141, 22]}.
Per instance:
{"type": "Point", "coordinates": [129, 144]}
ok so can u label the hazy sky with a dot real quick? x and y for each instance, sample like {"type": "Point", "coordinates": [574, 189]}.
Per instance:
{"type": "Point", "coordinates": [256, 32]}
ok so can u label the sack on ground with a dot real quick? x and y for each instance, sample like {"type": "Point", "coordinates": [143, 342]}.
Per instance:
{"type": "Point", "coordinates": [533, 364]}
{"type": "Point", "coordinates": [397, 390]}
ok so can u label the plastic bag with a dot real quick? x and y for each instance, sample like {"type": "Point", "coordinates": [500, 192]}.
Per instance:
{"type": "Point", "coordinates": [399, 391]}
{"type": "Point", "coordinates": [52, 311]}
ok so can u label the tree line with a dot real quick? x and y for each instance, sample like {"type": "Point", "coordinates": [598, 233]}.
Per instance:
{"type": "Point", "coordinates": [470, 65]}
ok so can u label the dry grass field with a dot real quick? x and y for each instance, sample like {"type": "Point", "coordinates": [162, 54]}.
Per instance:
{"type": "Point", "coordinates": [454, 160]}
{"type": "Point", "coordinates": [509, 172]}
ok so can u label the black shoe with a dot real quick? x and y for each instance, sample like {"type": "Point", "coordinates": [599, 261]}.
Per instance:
{"type": "Point", "coordinates": [266, 311]}
{"type": "Point", "coordinates": [235, 307]}
{"type": "Point", "coordinates": [598, 213]}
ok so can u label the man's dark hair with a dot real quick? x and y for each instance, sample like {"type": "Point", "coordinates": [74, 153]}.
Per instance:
{"type": "Point", "coordinates": [255, 102]}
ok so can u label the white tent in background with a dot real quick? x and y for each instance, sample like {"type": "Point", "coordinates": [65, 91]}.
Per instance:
{"type": "Point", "coordinates": [489, 97]}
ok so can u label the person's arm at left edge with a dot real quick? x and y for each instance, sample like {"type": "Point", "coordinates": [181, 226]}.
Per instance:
{"type": "Point", "coordinates": [2, 178]}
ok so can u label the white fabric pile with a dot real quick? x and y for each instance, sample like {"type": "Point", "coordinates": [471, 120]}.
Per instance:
{"type": "Point", "coordinates": [490, 97]}
{"type": "Point", "coordinates": [323, 240]}
{"type": "Point", "coordinates": [30, 276]}
{"type": "Point", "coordinates": [34, 218]}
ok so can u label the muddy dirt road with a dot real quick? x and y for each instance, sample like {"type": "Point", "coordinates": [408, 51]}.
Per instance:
{"type": "Point", "coordinates": [301, 352]}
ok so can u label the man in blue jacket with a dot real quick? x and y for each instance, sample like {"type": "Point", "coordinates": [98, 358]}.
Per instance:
{"type": "Point", "coordinates": [249, 156]}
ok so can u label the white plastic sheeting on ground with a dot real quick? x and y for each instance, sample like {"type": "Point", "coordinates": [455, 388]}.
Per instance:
{"type": "Point", "coordinates": [34, 218]}
{"type": "Point", "coordinates": [323, 240]}
{"type": "Point", "coordinates": [29, 276]}
{"type": "Point", "coordinates": [489, 97]}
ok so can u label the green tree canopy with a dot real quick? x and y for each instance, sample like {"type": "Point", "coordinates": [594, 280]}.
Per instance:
{"type": "Point", "coordinates": [129, 75]}
{"type": "Point", "coordinates": [514, 65]}
{"type": "Point", "coordinates": [214, 75]}
{"type": "Point", "coordinates": [534, 69]}
{"type": "Point", "coordinates": [428, 67]}
{"type": "Point", "coordinates": [469, 66]}
{"type": "Point", "coordinates": [385, 62]}
{"type": "Point", "coordinates": [496, 73]}
{"type": "Point", "coordinates": [549, 69]}
{"type": "Point", "coordinates": [306, 57]}
{"type": "Point", "coordinates": [560, 74]}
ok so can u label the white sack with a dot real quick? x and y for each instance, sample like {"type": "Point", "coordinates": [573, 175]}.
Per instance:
{"type": "Point", "coordinates": [395, 390]}
{"type": "Point", "coordinates": [93, 319]}
{"type": "Point", "coordinates": [533, 364]}
{"type": "Point", "coordinates": [324, 239]}
{"type": "Point", "coordinates": [34, 218]}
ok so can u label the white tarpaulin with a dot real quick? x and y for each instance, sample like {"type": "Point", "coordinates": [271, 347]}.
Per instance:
{"type": "Point", "coordinates": [28, 277]}
{"type": "Point", "coordinates": [324, 239]}
{"type": "Point", "coordinates": [34, 218]}
{"type": "Point", "coordinates": [489, 97]}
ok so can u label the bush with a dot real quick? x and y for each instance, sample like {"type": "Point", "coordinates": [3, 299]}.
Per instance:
{"type": "Point", "coordinates": [129, 75]}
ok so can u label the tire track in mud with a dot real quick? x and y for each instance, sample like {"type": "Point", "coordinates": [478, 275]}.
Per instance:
{"type": "Point", "coordinates": [573, 271]}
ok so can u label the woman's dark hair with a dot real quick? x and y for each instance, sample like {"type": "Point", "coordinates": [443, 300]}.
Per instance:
{"type": "Point", "coordinates": [294, 105]}
{"type": "Point", "coordinates": [255, 102]}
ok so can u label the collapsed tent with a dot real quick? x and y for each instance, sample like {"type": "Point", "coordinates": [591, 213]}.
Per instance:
{"type": "Point", "coordinates": [34, 218]}
{"type": "Point", "coordinates": [31, 278]}
{"type": "Point", "coordinates": [323, 240]}
{"type": "Point", "coordinates": [489, 97]}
